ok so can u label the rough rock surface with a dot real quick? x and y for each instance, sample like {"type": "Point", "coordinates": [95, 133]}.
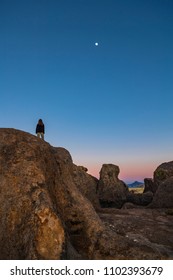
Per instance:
{"type": "Point", "coordinates": [149, 185]}
{"type": "Point", "coordinates": [163, 197]}
{"type": "Point", "coordinates": [163, 186]}
{"type": "Point", "coordinates": [44, 213]}
{"type": "Point", "coordinates": [30, 228]}
{"type": "Point", "coordinates": [142, 199]}
{"type": "Point", "coordinates": [151, 228]}
{"type": "Point", "coordinates": [87, 184]}
{"type": "Point", "coordinates": [41, 210]}
{"type": "Point", "coordinates": [112, 191]}
{"type": "Point", "coordinates": [163, 171]}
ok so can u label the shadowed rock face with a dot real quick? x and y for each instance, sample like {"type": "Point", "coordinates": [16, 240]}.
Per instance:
{"type": "Point", "coordinates": [112, 191]}
{"type": "Point", "coordinates": [46, 210]}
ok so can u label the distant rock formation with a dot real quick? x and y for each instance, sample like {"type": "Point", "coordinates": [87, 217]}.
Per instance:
{"type": "Point", "coordinates": [112, 192]}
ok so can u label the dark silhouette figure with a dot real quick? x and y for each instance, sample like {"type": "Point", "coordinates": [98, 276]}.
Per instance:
{"type": "Point", "coordinates": [40, 129]}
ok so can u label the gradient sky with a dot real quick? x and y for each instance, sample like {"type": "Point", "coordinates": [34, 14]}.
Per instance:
{"type": "Point", "coordinates": [111, 103]}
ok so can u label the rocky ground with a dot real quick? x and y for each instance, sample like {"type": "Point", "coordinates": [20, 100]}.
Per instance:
{"type": "Point", "coordinates": [146, 227]}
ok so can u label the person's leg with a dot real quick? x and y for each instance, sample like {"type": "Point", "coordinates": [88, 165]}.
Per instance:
{"type": "Point", "coordinates": [42, 135]}
{"type": "Point", "coordinates": [38, 134]}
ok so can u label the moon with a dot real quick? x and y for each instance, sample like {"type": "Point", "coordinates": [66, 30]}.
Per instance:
{"type": "Point", "coordinates": [96, 44]}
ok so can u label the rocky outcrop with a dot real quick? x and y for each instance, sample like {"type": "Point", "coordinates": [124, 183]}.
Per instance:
{"type": "Point", "coordinates": [112, 191]}
{"type": "Point", "coordinates": [163, 172]}
{"type": "Point", "coordinates": [46, 206]}
{"type": "Point", "coordinates": [163, 186]}
{"type": "Point", "coordinates": [142, 199]}
{"type": "Point", "coordinates": [87, 184]}
{"type": "Point", "coordinates": [163, 197]}
{"type": "Point", "coordinates": [42, 212]}
{"type": "Point", "coordinates": [149, 185]}
{"type": "Point", "coordinates": [30, 227]}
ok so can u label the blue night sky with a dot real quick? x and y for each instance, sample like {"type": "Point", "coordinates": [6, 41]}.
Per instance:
{"type": "Point", "coordinates": [110, 103]}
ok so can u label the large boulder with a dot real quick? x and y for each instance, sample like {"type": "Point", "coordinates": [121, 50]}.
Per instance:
{"type": "Point", "coordinates": [149, 185]}
{"type": "Point", "coordinates": [112, 191]}
{"type": "Point", "coordinates": [163, 186]}
{"type": "Point", "coordinates": [163, 197]}
{"type": "Point", "coordinates": [43, 215]}
{"type": "Point", "coordinates": [30, 227]}
{"type": "Point", "coordinates": [163, 172]}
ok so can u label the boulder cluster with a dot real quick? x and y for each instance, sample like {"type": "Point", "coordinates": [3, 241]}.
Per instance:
{"type": "Point", "coordinates": [158, 191]}
{"type": "Point", "coordinates": [49, 206]}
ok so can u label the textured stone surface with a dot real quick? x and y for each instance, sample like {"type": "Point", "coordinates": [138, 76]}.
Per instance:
{"type": "Point", "coordinates": [163, 171]}
{"type": "Point", "coordinates": [46, 211]}
{"type": "Point", "coordinates": [87, 184]}
{"type": "Point", "coordinates": [150, 229]}
{"type": "Point", "coordinates": [163, 197]}
{"type": "Point", "coordinates": [29, 225]}
{"type": "Point", "coordinates": [41, 209]}
{"type": "Point", "coordinates": [112, 191]}
{"type": "Point", "coordinates": [142, 199]}
{"type": "Point", "coordinates": [149, 185]}
{"type": "Point", "coordinates": [163, 186]}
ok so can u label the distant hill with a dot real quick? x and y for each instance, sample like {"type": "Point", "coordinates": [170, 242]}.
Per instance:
{"type": "Point", "coordinates": [135, 184]}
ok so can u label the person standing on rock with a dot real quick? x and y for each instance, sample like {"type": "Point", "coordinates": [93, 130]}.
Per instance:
{"type": "Point", "coordinates": [40, 129]}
